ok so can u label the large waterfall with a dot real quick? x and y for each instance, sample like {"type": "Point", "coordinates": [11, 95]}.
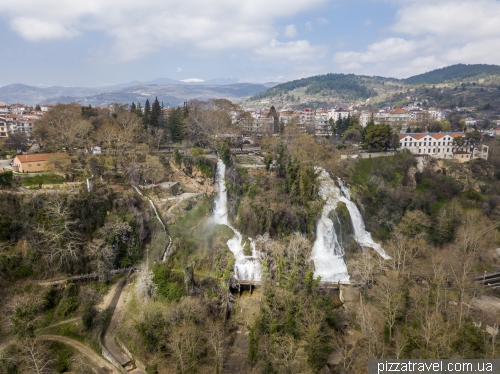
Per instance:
{"type": "Point", "coordinates": [245, 267]}
{"type": "Point", "coordinates": [328, 252]}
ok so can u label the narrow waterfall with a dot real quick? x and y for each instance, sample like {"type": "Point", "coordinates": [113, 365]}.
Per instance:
{"type": "Point", "coordinates": [245, 267]}
{"type": "Point", "coordinates": [363, 237]}
{"type": "Point", "coordinates": [328, 252]}
{"type": "Point", "coordinates": [164, 257]}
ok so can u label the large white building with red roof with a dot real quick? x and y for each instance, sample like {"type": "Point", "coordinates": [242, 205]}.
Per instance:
{"type": "Point", "coordinates": [438, 145]}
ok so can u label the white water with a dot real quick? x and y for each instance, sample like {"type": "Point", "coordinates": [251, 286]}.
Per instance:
{"type": "Point", "coordinates": [363, 237]}
{"type": "Point", "coordinates": [245, 267]}
{"type": "Point", "coordinates": [327, 252]}
{"type": "Point", "coordinates": [164, 257]}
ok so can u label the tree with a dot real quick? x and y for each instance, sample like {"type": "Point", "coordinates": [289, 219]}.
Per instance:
{"type": "Point", "coordinates": [147, 112]}
{"type": "Point", "coordinates": [156, 113]}
{"type": "Point", "coordinates": [379, 137]}
{"type": "Point", "coordinates": [64, 127]}
{"type": "Point", "coordinates": [175, 124]}
{"type": "Point", "coordinates": [57, 235]}
{"type": "Point", "coordinates": [37, 107]}
{"type": "Point", "coordinates": [133, 108]}
{"type": "Point", "coordinates": [18, 140]}
{"type": "Point", "coordinates": [39, 360]}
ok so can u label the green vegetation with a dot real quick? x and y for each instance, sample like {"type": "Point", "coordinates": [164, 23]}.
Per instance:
{"type": "Point", "coordinates": [458, 72]}
{"type": "Point", "coordinates": [346, 86]}
{"type": "Point", "coordinates": [43, 179]}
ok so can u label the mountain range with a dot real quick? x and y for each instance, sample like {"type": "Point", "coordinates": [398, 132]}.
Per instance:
{"type": "Point", "coordinates": [340, 89]}
{"type": "Point", "coordinates": [170, 92]}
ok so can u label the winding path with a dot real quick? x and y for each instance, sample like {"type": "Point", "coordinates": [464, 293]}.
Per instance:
{"type": "Point", "coordinates": [104, 365]}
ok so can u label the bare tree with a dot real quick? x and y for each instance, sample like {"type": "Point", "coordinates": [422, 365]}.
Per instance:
{"type": "Point", "coordinates": [390, 300]}
{"type": "Point", "coordinates": [39, 361]}
{"type": "Point", "coordinates": [57, 235]}
{"type": "Point", "coordinates": [217, 338]}
{"type": "Point", "coordinates": [145, 287]}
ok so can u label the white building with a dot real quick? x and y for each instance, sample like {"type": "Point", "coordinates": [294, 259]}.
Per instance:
{"type": "Point", "coordinates": [438, 145]}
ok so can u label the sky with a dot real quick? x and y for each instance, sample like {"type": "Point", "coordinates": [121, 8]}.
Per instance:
{"type": "Point", "coordinates": [103, 42]}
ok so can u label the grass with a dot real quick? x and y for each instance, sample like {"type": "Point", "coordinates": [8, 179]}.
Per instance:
{"type": "Point", "coordinates": [245, 160]}
{"type": "Point", "coordinates": [43, 179]}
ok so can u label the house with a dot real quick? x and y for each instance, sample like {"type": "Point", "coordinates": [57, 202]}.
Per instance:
{"type": "Point", "coordinates": [40, 162]}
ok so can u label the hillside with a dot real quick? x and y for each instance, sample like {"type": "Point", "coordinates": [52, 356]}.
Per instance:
{"type": "Point", "coordinates": [455, 73]}
{"type": "Point", "coordinates": [480, 82]}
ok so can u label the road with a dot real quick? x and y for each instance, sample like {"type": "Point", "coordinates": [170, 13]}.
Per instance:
{"type": "Point", "coordinates": [5, 164]}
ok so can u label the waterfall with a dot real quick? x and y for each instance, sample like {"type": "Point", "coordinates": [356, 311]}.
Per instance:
{"type": "Point", "coordinates": [164, 257]}
{"type": "Point", "coordinates": [363, 237]}
{"type": "Point", "coordinates": [245, 267]}
{"type": "Point", "coordinates": [328, 252]}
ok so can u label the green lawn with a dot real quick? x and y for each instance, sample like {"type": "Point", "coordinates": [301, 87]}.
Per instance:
{"type": "Point", "coordinates": [43, 179]}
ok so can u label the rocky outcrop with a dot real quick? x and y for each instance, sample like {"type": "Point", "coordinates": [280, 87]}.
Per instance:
{"type": "Point", "coordinates": [191, 178]}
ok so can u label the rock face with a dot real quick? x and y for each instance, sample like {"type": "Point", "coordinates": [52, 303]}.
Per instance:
{"type": "Point", "coordinates": [191, 177]}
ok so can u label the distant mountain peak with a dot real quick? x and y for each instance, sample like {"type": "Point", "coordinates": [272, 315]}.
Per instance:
{"type": "Point", "coordinates": [192, 80]}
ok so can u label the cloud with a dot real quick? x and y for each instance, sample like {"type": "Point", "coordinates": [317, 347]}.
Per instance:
{"type": "Point", "coordinates": [299, 50]}
{"type": "Point", "coordinates": [290, 31]}
{"type": "Point", "coordinates": [309, 26]}
{"type": "Point", "coordinates": [429, 35]}
{"type": "Point", "coordinates": [368, 22]}
{"type": "Point", "coordinates": [134, 29]}
{"type": "Point", "coordinates": [35, 30]}
{"type": "Point", "coordinates": [179, 70]}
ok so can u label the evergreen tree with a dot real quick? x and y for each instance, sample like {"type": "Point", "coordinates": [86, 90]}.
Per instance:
{"type": "Point", "coordinates": [138, 111]}
{"type": "Point", "coordinates": [175, 124]}
{"type": "Point", "coordinates": [154, 119]}
{"type": "Point", "coordinates": [37, 107]}
{"type": "Point", "coordinates": [147, 112]}
{"type": "Point", "coordinates": [133, 108]}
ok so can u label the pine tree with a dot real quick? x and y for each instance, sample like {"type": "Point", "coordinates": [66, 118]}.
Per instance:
{"type": "Point", "coordinates": [175, 123]}
{"type": "Point", "coordinates": [138, 111]}
{"type": "Point", "coordinates": [147, 112]}
{"type": "Point", "coordinates": [133, 108]}
{"type": "Point", "coordinates": [154, 119]}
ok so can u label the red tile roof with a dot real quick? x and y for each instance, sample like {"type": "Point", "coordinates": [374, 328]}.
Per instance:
{"type": "Point", "coordinates": [40, 157]}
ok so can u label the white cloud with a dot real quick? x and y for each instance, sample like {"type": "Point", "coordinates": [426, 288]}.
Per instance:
{"type": "Point", "coordinates": [309, 26]}
{"type": "Point", "coordinates": [299, 50]}
{"type": "Point", "coordinates": [290, 31]}
{"type": "Point", "coordinates": [35, 29]}
{"type": "Point", "coordinates": [179, 70]}
{"type": "Point", "coordinates": [137, 28]}
{"type": "Point", "coordinates": [430, 35]}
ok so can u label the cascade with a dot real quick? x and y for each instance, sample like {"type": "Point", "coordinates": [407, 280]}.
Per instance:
{"type": "Point", "coordinates": [245, 267]}
{"type": "Point", "coordinates": [328, 252]}
{"type": "Point", "coordinates": [164, 257]}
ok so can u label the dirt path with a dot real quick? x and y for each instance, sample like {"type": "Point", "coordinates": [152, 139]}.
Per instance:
{"type": "Point", "coordinates": [116, 307]}
{"type": "Point", "coordinates": [104, 365]}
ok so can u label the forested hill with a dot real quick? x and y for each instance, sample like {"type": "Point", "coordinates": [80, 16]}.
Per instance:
{"type": "Point", "coordinates": [458, 73]}
{"type": "Point", "coordinates": [344, 86]}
